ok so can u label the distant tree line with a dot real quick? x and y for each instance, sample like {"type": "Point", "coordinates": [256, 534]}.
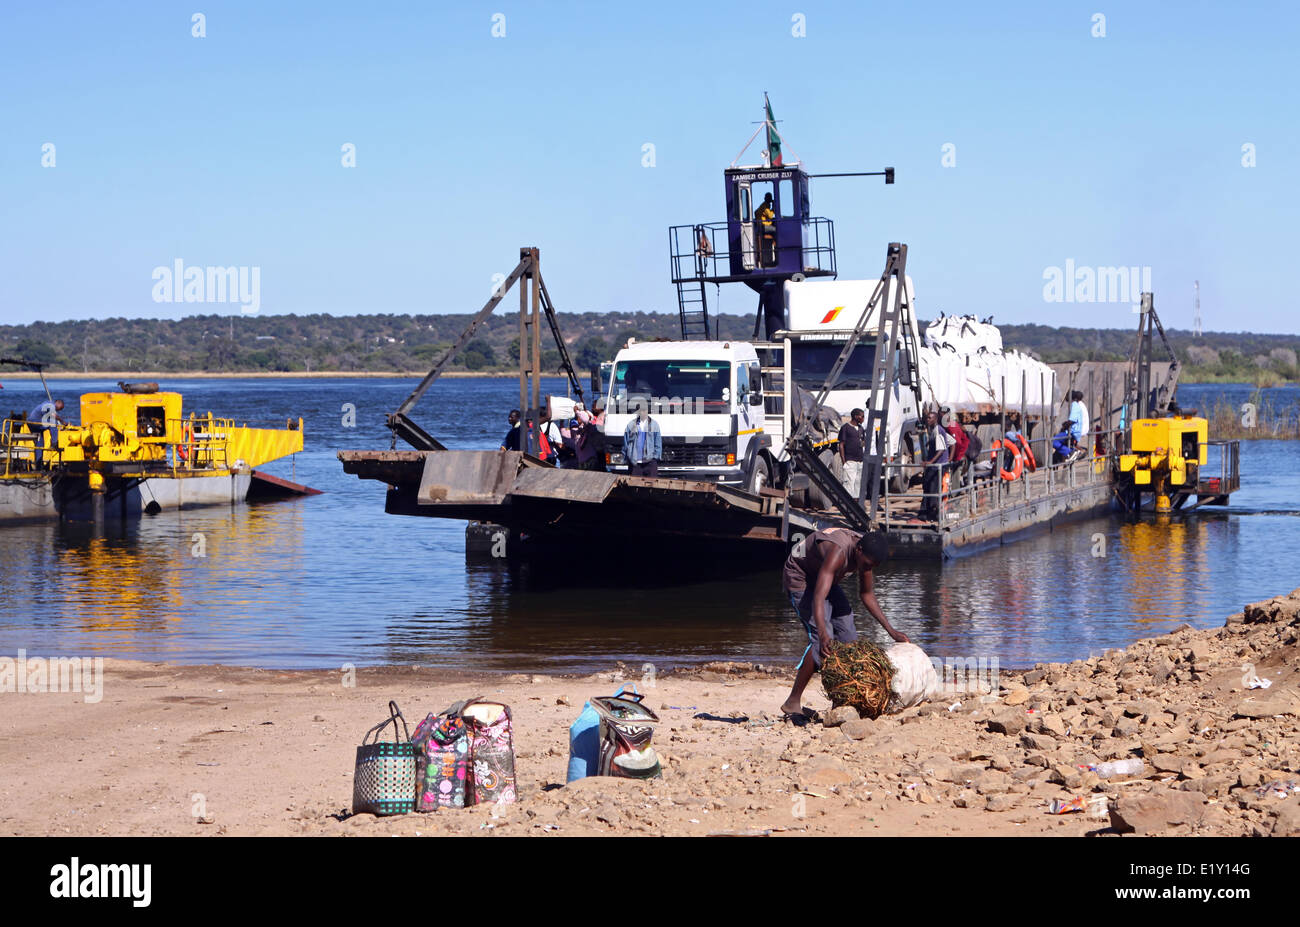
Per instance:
{"type": "Point", "coordinates": [413, 343]}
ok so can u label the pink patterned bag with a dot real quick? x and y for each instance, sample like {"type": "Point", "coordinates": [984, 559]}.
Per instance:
{"type": "Point", "coordinates": [492, 752]}
{"type": "Point", "coordinates": [465, 756]}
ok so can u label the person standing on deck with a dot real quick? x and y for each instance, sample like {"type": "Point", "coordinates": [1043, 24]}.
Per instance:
{"type": "Point", "coordinates": [934, 453]}
{"type": "Point", "coordinates": [1079, 430]}
{"type": "Point", "coordinates": [643, 444]}
{"type": "Point", "coordinates": [46, 418]}
{"type": "Point", "coordinates": [811, 579]}
{"type": "Point", "coordinates": [961, 443]}
{"type": "Point", "coordinates": [766, 220]}
{"type": "Point", "coordinates": [554, 439]}
{"type": "Point", "coordinates": [511, 441]}
{"type": "Point", "coordinates": [851, 448]}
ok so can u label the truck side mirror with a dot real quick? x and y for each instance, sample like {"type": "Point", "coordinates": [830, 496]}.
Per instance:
{"type": "Point", "coordinates": [755, 397]}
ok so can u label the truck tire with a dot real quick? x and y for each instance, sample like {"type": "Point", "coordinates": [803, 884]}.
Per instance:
{"type": "Point", "coordinates": [831, 460]}
{"type": "Point", "coordinates": [760, 475]}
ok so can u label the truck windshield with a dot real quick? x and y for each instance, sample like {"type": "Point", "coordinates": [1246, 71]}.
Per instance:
{"type": "Point", "coordinates": [700, 385]}
{"type": "Point", "coordinates": [811, 362]}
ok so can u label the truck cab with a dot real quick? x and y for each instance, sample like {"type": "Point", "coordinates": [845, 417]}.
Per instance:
{"type": "Point", "coordinates": [707, 398]}
{"type": "Point", "coordinates": [822, 315]}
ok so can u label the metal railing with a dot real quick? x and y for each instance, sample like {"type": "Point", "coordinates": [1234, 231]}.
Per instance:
{"type": "Point", "coordinates": [200, 445]}
{"type": "Point", "coordinates": [1223, 458]}
{"type": "Point", "coordinates": [690, 260]}
{"type": "Point", "coordinates": [18, 443]}
{"type": "Point", "coordinates": [989, 491]}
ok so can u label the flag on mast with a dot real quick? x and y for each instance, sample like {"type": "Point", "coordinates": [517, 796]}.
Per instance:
{"type": "Point", "coordinates": [773, 140]}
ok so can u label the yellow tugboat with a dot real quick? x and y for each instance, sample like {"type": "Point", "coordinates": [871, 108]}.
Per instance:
{"type": "Point", "coordinates": [133, 452]}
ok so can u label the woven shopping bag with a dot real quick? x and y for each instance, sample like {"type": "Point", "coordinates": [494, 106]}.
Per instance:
{"type": "Point", "coordinates": [384, 780]}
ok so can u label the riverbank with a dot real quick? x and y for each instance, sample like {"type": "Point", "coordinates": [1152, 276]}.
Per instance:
{"type": "Point", "coordinates": [207, 750]}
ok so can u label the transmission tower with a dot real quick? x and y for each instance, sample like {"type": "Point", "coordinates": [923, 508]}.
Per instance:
{"type": "Point", "coordinates": [1196, 311]}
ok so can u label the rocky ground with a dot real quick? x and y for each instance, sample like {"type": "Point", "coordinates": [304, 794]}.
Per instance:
{"type": "Point", "coordinates": [220, 750]}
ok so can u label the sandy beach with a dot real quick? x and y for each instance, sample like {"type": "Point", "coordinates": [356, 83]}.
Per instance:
{"type": "Point", "coordinates": [212, 750]}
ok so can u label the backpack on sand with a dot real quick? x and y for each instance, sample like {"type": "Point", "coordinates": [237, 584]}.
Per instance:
{"type": "Point", "coordinates": [626, 727]}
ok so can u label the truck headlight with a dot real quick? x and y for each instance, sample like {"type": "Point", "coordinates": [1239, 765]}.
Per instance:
{"type": "Point", "coordinates": [717, 460]}
{"type": "Point", "coordinates": [615, 459]}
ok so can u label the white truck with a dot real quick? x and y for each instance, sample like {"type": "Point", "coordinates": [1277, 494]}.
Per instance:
{"type": "Point", "coordinates": [822, 315]}
{"type": "Point", "coordinates": [707, 398]}
{"type": "Point", "coordinates": [725, 409]}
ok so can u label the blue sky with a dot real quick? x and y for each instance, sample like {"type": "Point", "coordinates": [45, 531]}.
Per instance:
{"type": "Point", "coordinates": [226, 150]}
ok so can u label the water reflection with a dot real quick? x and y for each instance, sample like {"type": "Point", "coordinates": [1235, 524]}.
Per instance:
{"type": "Point", "coordinates": [332, 579]}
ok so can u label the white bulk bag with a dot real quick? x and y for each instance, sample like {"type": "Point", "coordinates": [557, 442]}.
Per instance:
{"type": "Point", "coordinates": [915, 679]}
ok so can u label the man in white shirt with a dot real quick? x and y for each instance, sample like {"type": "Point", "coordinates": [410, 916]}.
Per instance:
{"type": "Point", "coordinates": [1080, 427]}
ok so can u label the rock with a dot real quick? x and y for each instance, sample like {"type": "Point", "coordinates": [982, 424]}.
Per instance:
{"type": "Point", "coordinates": [837, 716]}
{"type": "Point", "coordinates": [823, 773]}
{"type": "Point", "coordinates": [1037, 759]}
{"type": "Point", "coordinates": [1000, 762]}
{"type": "Point", "coordinates": [1268, 706]}
{"type": "Point", "coordinates": [1125, 727]}
{"type": "Point", "coordinates": [1143, 709]}
{"type": "Point", "coordinates": [858, 730]}
{"type": "Point", "coordinates": [1169, 763]}
{"type": "Point", "coordinates": [1008, 722]}
{"type": "Point", "coordinates": [1068, 776]}
{"type": "Point", "coordinates": [1017, 696]}
{"type": "Point", "coordinates": [1199, 652]}
{"type": "Point", "coordinates": [1000, 803]}
{"type": "Point", "coordinates": [1155, 812]}
{"type": "Point", "coordinates": [991, 782]}
{"type": "Point", "coordinates": [1037, 742]}
{"type": "Point", "coordinates": [1050, 724]}
{"type": "Point", "coordinates": [965, 799]}
{"type": "Point", "coordinates": [961, 774]}
{"type": "Point", "coordinates": [1220, 757]}
{"type": "Point", "coordinates": [1033, 677]}
{"type": "Point", "coordinates": [1287, 822]}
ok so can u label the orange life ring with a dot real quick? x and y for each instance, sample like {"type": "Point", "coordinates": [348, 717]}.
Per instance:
{"type": "Point", "coordinates": [1001, 445]}
{"type": "Point", "coordinates": [1029, 454]}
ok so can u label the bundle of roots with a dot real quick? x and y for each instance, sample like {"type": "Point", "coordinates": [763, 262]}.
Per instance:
{"type": "Point", "coordinates": [858, 675]}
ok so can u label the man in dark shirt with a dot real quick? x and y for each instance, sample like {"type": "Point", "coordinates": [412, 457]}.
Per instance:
{"type": "Point", "coordinates": [851, 447]}
{"type": "Point", "coordinates": [934, 453]}
{"type": "Point", "coordinates": [511, 441]}
{"type": "Point", "coordinates": [811, 579]}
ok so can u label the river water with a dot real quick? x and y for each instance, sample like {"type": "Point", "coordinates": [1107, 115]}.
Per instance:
{"type": "Point", "coordinates": [331, 579]}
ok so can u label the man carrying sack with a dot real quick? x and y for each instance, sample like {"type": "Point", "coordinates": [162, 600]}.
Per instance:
{"type": "Point", "coordinates": [811, 579]}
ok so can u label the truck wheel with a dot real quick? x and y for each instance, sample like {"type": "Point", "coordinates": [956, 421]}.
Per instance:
{"type": "Point", "coordinates": [760, 475]}
{"type": "Point", "coordinates": [831, 460]}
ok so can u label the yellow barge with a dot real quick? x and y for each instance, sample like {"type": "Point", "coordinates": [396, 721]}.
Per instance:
{"type": "Point", "coordinates": [132, 452]}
